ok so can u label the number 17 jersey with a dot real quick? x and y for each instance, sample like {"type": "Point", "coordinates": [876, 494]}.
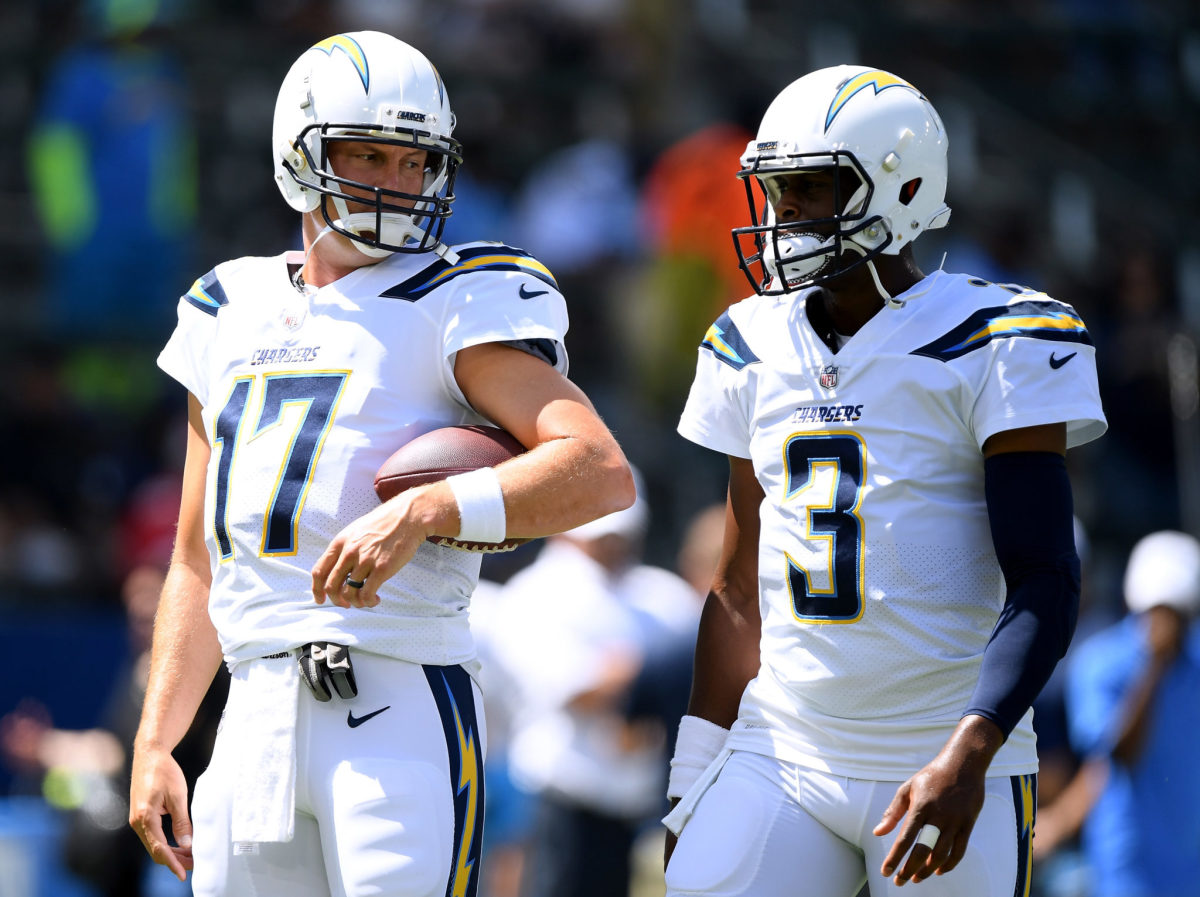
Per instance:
{"type": "Point", "coordinates": [878, 584]}
{"type": "Point", "coordinates": [305, 394]}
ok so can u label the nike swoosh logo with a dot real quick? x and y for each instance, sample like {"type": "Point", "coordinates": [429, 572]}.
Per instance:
{"type": "Point", "coordinates": [529, 294]}
{"type": "Point", "coordinates": [355, 721]}
{"type": "Point", "coordinates": [1056, 363]}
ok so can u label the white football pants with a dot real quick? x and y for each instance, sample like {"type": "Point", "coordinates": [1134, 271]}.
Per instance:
{"type": "Point", "coordinates": [389, 793]}
{"type": "Point", "coordinates": [772, 829]}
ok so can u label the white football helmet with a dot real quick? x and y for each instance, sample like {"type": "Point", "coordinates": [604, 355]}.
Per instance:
{"type": "Point", "coordinates": [865, 121]}
{"type": "Point", "coordinates": [366, 85]}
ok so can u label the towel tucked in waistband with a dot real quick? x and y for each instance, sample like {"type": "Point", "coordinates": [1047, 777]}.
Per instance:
{"type": "Point", "coordinates": [261, 710]}
{"type": "Point", "coordinates": [678, 817]}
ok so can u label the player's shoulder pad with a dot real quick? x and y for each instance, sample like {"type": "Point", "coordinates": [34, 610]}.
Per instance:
{"type": "Point", "coordinates": [209, 293]}
{"type": "Point", "coordinates": [1004, 311]}
{"type": "Point", "coordinates": [466, 259]}
{"type": "Point", "coordinates": [725, 341]}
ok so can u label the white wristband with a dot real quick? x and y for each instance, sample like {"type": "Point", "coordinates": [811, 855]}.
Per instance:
{"type": "Point", "coordinates": [696, 746]}
{"type": "Point", "coordinates": [480, 506]}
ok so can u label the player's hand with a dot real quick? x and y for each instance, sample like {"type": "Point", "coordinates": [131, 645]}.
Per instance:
{"type": "Point", "coordinates": [369, 551]}
{"type": "Point", "coordinates": [938, 795]}
{"type": "Point", "coordinates": [947, 793]}
{"type": "Point", "coordinates": [157, 788]}
{"type": "Point", "coordinates": [1165, 632]}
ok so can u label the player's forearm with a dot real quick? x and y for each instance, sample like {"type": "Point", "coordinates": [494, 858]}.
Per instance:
{"type": "Point", "coordinates": [564, 483]}
{"type": "Point", "coordinates": [556, 486]}
{"type": "Point", "coordinates": [727, 645]}
{"type": "Point", "coordinates": [184, 658]}
{"type": "Point", "coordinates": [973, 745]}
{"type": "Point", "coordinates": [1036, 553]}
{"type": "Point", "coordinates": [727, 657]}
{"type": "Point", "coordinates": [574, 470]}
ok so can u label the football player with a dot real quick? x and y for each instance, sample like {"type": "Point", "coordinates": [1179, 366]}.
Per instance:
{"type": "Point", "coordinates": [305, 372]}
{"type": "Point", "coordinates": [899, 575]}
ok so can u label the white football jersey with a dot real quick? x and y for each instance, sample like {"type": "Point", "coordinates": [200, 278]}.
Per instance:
{"type": "Point", "coordinates": [879, 586]}
{"type": "Point", "coordinates": [305, 395]}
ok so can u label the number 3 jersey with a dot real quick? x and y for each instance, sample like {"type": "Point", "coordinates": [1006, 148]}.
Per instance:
{"type": "Point", "coordinates": [305, 394]}
{"type": "Point", "coordinates": [878, 584]}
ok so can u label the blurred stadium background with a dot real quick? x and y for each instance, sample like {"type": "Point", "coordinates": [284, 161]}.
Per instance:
{"type": "Point", "coordinates": [601, 135]}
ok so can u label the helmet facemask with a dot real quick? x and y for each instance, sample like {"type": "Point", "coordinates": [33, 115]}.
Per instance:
{"type": "Point", "coordinates": [399, 222]}
{"type": "Point", "coordinates": [366, 86]}
{"type": "Point", "coordinates": [889, 145]}
{"type": "Point", "coordinates": [798, 254]}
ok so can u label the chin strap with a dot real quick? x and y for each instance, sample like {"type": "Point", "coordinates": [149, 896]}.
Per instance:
{"type": "Point", "coordinates": [892, 301]}
{"type": "Point", "coordinates": [298, 279]}
{"type": "Point", "coordinates": [446, 253]}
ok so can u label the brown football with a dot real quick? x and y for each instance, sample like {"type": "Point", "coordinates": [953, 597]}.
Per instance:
{"type": "Point", "coordinates": [442, 453]}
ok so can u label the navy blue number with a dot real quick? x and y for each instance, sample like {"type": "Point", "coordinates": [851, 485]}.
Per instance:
{"type": "Point", "coordinates": [825, 472]}
{"type": "Point", "coordinates": [317, 395]}
{"type": "Point", "coordinates": [229, 423]}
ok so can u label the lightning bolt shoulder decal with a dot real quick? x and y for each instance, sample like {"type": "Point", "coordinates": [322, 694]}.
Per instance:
{"type": "Point", "coordinates": [725, 341]}
{"type": "Point", "coordinates": [207, 294]}
{"type": "Point", "coordinates": [494, 257]}
{"type": "Point", "coordinates": [1044, 319]}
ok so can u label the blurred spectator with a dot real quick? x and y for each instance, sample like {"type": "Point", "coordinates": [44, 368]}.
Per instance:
{"type": "Point", "coordinates": [1139, 464]}
{"type": "Point", "coordinates": [45, 461]}
{"type": "Point", "coordinates": [1003, 251]}
{"type": "Point", "coordinates": [661, 688]}
{"type": "Point", "coordinates": [658, 692]}
{"type": "Point", "coordinates": [578, 207]}
{"type": "Point", "coordinates": [703, 539]}
{"type": "Point", "coordinates": [577, 211]}
{"type": "Point", "coordinates": [579, 624]}
{"type": "Point", "coordinates": [112, 165]}
{"type": "Point", "coordinates": [691, 197]}
{"type": "Point", "coordinates": [87, 772]}
{"type": "Point", "coordinates": [1132, 699]}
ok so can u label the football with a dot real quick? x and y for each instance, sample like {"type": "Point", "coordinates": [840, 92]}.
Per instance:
{"type": "Point", "coordinates": [442, 453]}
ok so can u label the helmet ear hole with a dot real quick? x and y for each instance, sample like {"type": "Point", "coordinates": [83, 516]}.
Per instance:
{"type": "Point", "coordinates": [909, 190]}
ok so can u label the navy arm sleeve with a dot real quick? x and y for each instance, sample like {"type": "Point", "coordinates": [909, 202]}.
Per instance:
{"type": "Point", "coordinates": [1030, 510]}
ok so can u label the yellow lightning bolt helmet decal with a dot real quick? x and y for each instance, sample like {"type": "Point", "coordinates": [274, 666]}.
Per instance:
{"type": "Point", "coordinates": [353, 50]}
{"type": "Point", "coordinates": [881, 81]}
{"type": "Point", "coordinates": [468, 777]}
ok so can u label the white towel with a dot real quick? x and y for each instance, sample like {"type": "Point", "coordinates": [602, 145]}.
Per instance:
{"type": "Point", "coordinates": [263, 699]}
{"type": "Point", "coordinates": [678, 817]}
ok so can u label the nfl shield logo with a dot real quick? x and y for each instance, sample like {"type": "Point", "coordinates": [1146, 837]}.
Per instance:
{"type": "Point", "coordinates": [292, 318]}
{"type": "Point", "coordinates": [828, 377]}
